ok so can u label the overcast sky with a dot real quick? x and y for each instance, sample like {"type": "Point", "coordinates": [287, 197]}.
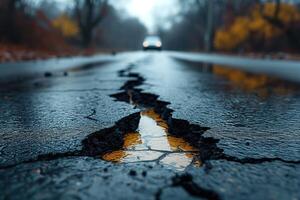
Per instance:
{"type": "Point", "coordinates": [147, 11]}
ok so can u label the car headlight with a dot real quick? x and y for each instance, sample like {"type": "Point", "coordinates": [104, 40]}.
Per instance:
{"type": "Point", "coordinates": [158, 44]}
{"type": "Point", "coordinates": [145, 44]}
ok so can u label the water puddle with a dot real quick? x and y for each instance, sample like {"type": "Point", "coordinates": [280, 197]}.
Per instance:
{"type": "Point", "coordinates": [152, 142]}
{"type": "Point", "coordinates": [263, 85]}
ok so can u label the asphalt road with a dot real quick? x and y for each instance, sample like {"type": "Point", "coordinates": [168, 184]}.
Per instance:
{"type": "Point", "coordinates": [249, 150]}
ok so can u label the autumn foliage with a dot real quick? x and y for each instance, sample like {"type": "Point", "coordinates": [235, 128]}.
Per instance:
{"type": "Point", "coordinates": [30, 34]}
{"type": "Point", "coordinates": [257, 31]}
{"type": "Point", "coordinates": [67, 26]}
{"type": "Point", "coordinates": [38, 33]}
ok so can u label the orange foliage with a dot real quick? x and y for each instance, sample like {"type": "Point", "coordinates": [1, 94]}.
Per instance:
{"type": "Point", "coordinates": [37, 40]}
{"type": "Point", "coordinates": [254, 25]}
{"type": "Point", "coordinates": [66, 25]}
{"type": "Point", "coordinates": [237, 33]}
{"type": "Point", "coordinates": [38, 33]}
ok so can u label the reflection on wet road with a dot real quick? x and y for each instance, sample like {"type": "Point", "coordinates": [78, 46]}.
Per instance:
{"type": "Point", "coordinates": [261, 84]}
{"type": "Point", "coordinates": [152, 142]}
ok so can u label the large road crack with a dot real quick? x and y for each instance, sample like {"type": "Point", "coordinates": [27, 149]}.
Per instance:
{"type": "Point", "coordinates": [193, 133]}
{"type": "Point", "coordinates": [112, 139]}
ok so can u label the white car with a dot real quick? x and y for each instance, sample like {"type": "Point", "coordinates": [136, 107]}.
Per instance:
{"type": "Point", "coordinates": [152, 43]}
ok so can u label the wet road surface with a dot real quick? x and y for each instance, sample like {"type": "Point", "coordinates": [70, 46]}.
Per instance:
{"type": "Point", "coordinates": [147, 126]}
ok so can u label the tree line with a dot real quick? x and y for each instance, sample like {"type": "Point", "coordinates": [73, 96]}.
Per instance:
{"type": "Point", "coordinates": [84, 23]}
{"type": "Point", "coordinates": [235, 26]}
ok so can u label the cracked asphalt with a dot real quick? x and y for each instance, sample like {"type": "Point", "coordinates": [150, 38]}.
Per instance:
{"type": "Point", "coordinates": [253, 151]}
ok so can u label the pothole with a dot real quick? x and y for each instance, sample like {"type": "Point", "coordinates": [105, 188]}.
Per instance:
{"type": "Point", "coordinates": [152, 143]}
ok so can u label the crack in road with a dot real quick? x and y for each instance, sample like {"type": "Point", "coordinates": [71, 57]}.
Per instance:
{"type": "Point", "coordinates": [112, 139]}
{"type": "Point", "coordinates": [190, 132]}
{"type": "Point", "coordinates": [91, 116]}
{"type": "Point", "coordinates": [186, 182]}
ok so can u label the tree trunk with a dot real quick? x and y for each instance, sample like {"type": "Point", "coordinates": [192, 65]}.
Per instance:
{"type": "Point", "coordinates": [10, 21]}
{"type": "Point", "coordinates": [86, 35]}
{"type": "Point", "coordinates": [208, 38]}
{"type": "Point", "coordinates": [88, 18]}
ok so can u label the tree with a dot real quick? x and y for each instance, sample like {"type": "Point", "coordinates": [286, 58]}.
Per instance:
{"type": "Point", "coordinates": [208, 38]}
{"type": "Point", "coordinates": [289, 27]}
{"type": "Point", "coordinates": [202, 17]}
{"type": "Point", "coordinates": [265, 27]}
{"type": "Point", "coordinates": [65, 25]}
{"type": "Point", "coordinates": [89, 14]}
{"type": "Point", "coordinates": [187, 31]}
{"type": "Point", "coordinates": [12, 14]}
{"type": "Point", "coordinates": [120, 32]}
{"type": "Point", "coordinates": [8, 10]}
